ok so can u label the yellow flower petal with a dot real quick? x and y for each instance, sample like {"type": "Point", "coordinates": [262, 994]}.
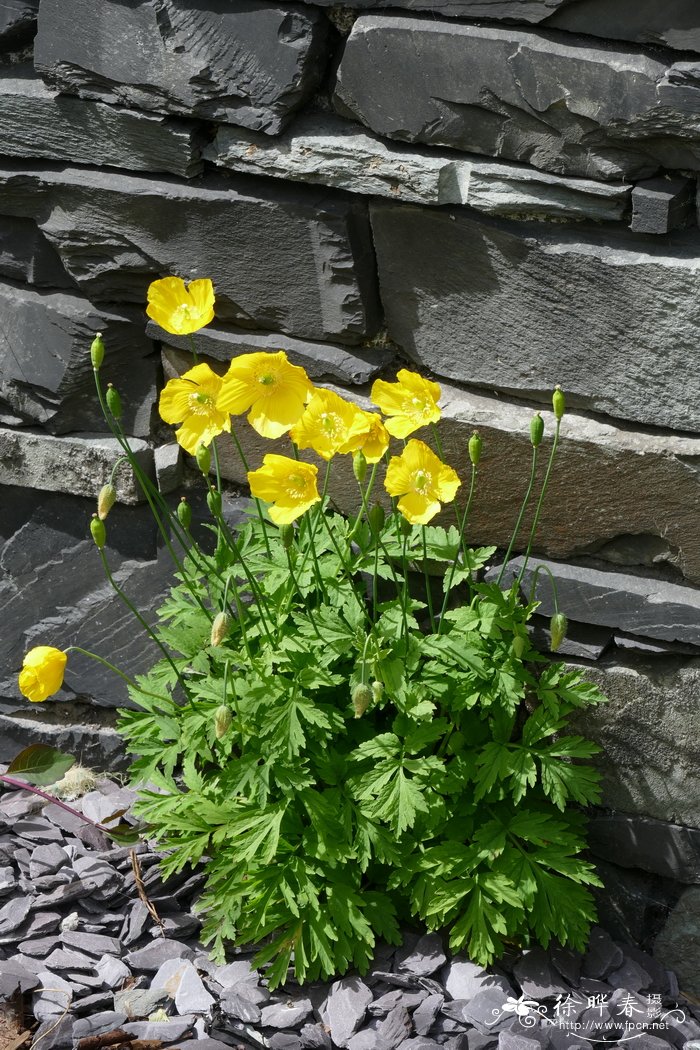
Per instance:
{"type": "Point", "coordinates": [178, 308]}
{"type": "Point", "coordinates": [417, 509]}
{"type": "Point", "coordinates": [42, 672]}
{"type": "Point", "coordinates": [266, 385]}
{"type": "Point", "coordinates": [376, 441]}
{"type": "Point", "coordinates": [191, 401]}
{"type": "Point", "coordinates": [330, 425]}
{"type": "Point", "coordinates": [422, 481]}
{"type": "Point", "coordinates": [409, 404]}
{"type": "Point", "coordinates": [290, 487]}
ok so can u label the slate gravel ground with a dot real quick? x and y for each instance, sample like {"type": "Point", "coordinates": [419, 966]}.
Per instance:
{"type": "Point", "coordinates": [80, 950]}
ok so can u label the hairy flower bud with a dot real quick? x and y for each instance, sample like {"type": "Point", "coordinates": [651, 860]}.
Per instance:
{"type": "Point", "coordinates": [536, 429]}
{"type": "Point", "coordinates": [518, 646]}
{"type": "Point", "coordinates": [214, 501]}
{"type": "Point", "coordinates": [184, 513]}
{"type": "Point", "coordinates": [106, 500]}
{"type": "Point", "coordinates": [475, 447]}
{"type": "Point", "coordinates": [114, 402]}
{"type": "Point", "coordinates": [361, 699]}
{"type": "Point", "coordinates": [557, 626]}
{"type": "Point", "coordinates": [223, 717]}
{"type": "Point", "coordinates": [203, 457]}
{"type": "Point", "coordinates": [558, 402]}
{"type": "Point", "coordinates": [377, 691]}
{"type": "Point", "coordinates": [97, 351]}
{"type": "Point", "coordinates": [99, 532]}
{"type": "Point", "coordinates": [376, 518]}
{"type": "Point", "coordinates": [220, 628]}
{"type": "Point", "coordinates": [359, 465]}
{"type": "Point", "coordinates": [287, 536]}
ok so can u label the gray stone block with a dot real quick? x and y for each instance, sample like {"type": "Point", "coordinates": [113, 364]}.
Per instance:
{"type": "Point", "coordinates": [647, 732]}
{"type": "Point", "coordinates": [354, 365]}
{"type": "Point", "coordinates": [649, 607]}
{"type": "Point", "coordinates": [46, 375]}
{"type": "Point", "coordinates": [167, 460]}
{"type": "Point", "coordinates": [284, 258]}
{"type": "Point", "coordinates": [463, 295]}
{"type": "Point", "coordinates": [17, 22]}
{"type": "Point", "coordinates": [26, 255]}
{"type": "Point", "coordinates": [36, 122]}
{"type": "Point", "coordinates": [674, 24]}
{"type": "Point", "coordinates": [669, 850]}
{"type": "Point", "coordinates": [662, 204]}
{"type": "Point", "coordinates": [583, 640]}
{"type": "Point", "coordinates": [321, 148]}
{"type": "Point", "coordinates": [74, 731]}
{"type": "Point", "coordinates": [678, 944]}
{"type": "Point", "coordinates": [549, 99]}
{"type": "Point", "coordinates": [249, 63]}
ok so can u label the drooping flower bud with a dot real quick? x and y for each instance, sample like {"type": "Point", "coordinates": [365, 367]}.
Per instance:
{"type": "Point", "coordinates": [184, 513]}
{"type": "Point", "coordinates": [558, 626]}
{"type": "Point", "coordinates": [287, 536]}
{"type": "Point", "coordinates": [214, 501]}
{"type": "Point", "coordinates": [406, 527]}
{"type": "Point", "coordinates": [377, 691]}
{"type": "Point", "coordinates": [361, 699]}
{"type": "Point", "coordinates": [475, 447]}
{"type": "Point", "coordinates": [359, 466]}
{"type": "Point", "coordinates": [376, 518]}
{"type": "Point", "coordinates": [220, 628]}
{"type": "Point", "coordinates": [203, 457]}
{"type": "Point", "coordinates": [106, 500]}
{"type": "Point", "coordinates": [114, 402]}
{"type": "Point", "coordinates": [223, 717]}
{"type": "Point", "coordinates": [518, 646]}
{"type": "Point", "coordinates": [97, 351]}
{"type": "Point", "coordinates": [536, 429]}
{"type": "Point", "coordinates": [558, 402]}
{"type": "Point", "coordinates": [99, 532]}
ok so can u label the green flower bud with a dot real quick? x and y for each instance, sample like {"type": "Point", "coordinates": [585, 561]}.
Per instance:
{"type": "Point", "coordinates": [106, 500]}
{"type": "Point", "coordinates": [99, 532]}
{"type": "Point", "coordinates": [377, 691]}
{"type": "Point", "coordinates": [558, 626]}
{"type": "Point", "coordinates": [475, 447]}
{"type": "Point", "coordinates": [214, 501]}
{"type": "Point", "coordinates": [220, 628]}
{"type": "Point", "coordinates": [359, 466]}
{"type": "Point", "coordinates": [203, 457]}
{"type": "Point", "coordinates": [114, 402]}
{"type": "Point", "coordinates": [518, 646]}
{"type": "Point", "coordinates": [184, 513]}
{"type": "Point", "coordinates": [97, 351]}
{"type": "Point", "coordinates": [376, 518]}
{"type": "Point", "coordinates": [223, 717]}
{"type": "Point", "coordinates": [361, 699]}
{"type": "Point", "coordinates": [558, 402]}
{"type": "Point", "coordinates": [287, 536]}
{"type": "Point", "coordinates": [536, 429]}
{"type": "Point", "coordinates": [405, 527]}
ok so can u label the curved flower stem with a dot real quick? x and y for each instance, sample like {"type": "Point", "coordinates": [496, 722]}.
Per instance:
{"type": "Point", "coordinates": [538, 509]}
{"type": "Point", "coordinates": [404, 603]}
{"type": "Point", "coordinates": [544, 568]}
{"type": "Point", "coordinates": [426, 576]}
{"type": "Point", "coordinates": [455, 562]}
{"type": "Point", "coordinates": [258, 504]}
{"type": "Point", "coordinates": [261, 601]}
{"type": "Point", "coordinates": [13, 782]}
{"type": "Point", "coordinates": [125, 677]}
{"type": "Point", "coordinates": [523, 507]}
{"type": "Point", "coordinates": [346, 567]}
{"type": "Point", "coordinates": [134, 611]}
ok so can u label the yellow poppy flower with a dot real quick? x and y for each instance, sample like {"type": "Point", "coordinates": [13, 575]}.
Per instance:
{"type": "Point", "coordinates": [330, 425]}
{"type": "Point", "coordinates": [422, 481]}
{"type": "Point", "coordinates": [191, 401]}
{"type": "Point", "coordinates": [375, 442]}
{"type": "Point", "coordinates": [274, 390]}
{"type": "Point", "coordinates": [178, 308]}
{"type": "Point", "coordinates": [409, 404]}
{"type": "Point", "coordinates": [288, 485]}
{"type": "Point", "coordinates": [42, 672]}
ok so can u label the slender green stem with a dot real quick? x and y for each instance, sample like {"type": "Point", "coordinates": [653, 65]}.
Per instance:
{"type": "Point", "coordinates": [538, 510]}
{"type": "Point", "coordinates": [125, 677]}
{"type": "Point", "coordinates": [426, 576]}
{"type": "Point", "coordinates": [375, 581]}
{"type": "Point", "coordinates": [297, 588]}
{"type": "Point", "coordinates": [365, 493]}
{"type": "Point", "coordinates": [263, 607]}
{"type": "Point", "coordinates": [258, 504]}
{"type": "Point", "coordinates": [523, 507]}
{"type": "Point", "coordinates": [544, 568]}
{"type": "Point", "coordinates": [195, 356]}
{"type": "Point", "coordinates": [134, 611]}
{"type": "Point", "coordinates": [455, 562]}
{"type": "Point", "coordinates": [460, 520]}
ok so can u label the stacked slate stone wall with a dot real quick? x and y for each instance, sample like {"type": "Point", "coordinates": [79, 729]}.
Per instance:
{"type": "Point", "coordinates": [501, 193]}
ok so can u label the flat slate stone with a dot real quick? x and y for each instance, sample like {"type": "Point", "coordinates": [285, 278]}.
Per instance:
{"type": "Point", "coordinates": [355, 365]}
{"type": "Point", "coordinates": [37, 122]}
{"type": "Point", "coordinates": [282, 1015]}
{"type": "Point", "coordinates": [670, 850]}
{"type": "Point", "coordinates": [27, 256]}
{"type": "Point", "coordinates": [674, 24]}
{"type": "Point", "coordinates": [46, 377]}
{"type": "Point", "coordinates": [179, 979]}
{"type": "Point", "coordinates": [303, 261]}
{"type": "Point", "coordinates": [151, 958]}
{"type": "Point", "coordinates": [544, 98]}
{"type": "Point", "coordinates": [662, 204]}
{"type": "Point", "coordinates": [537, 977]}
{"type": "Point", "coordinates": [234, 61]}
{"type": "Point", "coordinates": [345, 1008]}
{"type": "Point", "coordinates": [321, 148]}
{"type": "Point", "coordinates": [644, 606]}
{"type": "Point", "coordinates": [602, 286]}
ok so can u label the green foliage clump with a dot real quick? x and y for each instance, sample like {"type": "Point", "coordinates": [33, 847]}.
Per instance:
{"type": "Point", "coordinates": [378, 763]}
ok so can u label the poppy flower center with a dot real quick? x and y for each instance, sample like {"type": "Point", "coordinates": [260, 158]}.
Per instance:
{"type": "Point", "coordinates": [331, 423]}
{"type": "Point", "coordinates": [266, 379]}
{"type": "Point", "coordinates": [201, 403]}
{"type": "Point", "coordinates": [297, 486]}
{"type": "Point", "coordinates": [422, 481]}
